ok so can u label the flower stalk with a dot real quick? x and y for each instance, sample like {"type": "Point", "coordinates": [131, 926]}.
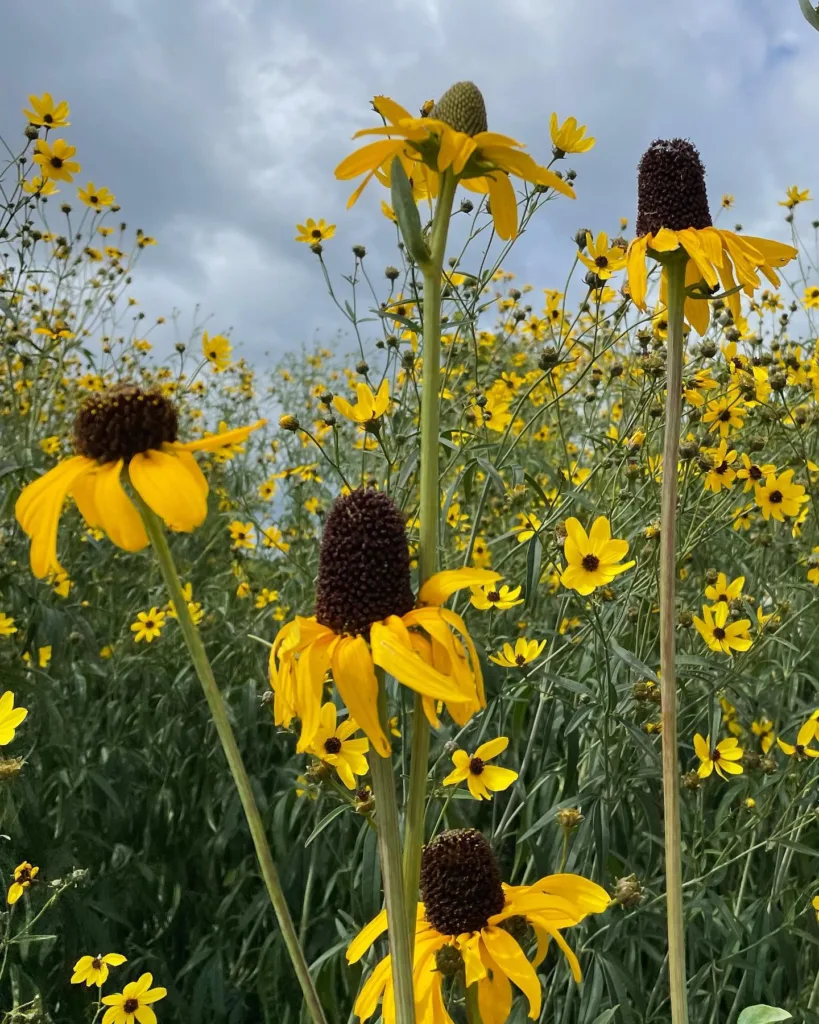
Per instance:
{"type": "Point", "coordinates": [674, 265]}
{"type": "Point", "coordinates": [389, 851]}
{"type": "Point", "coordinates": [221, 721]}
{"type": "Point", "coordinates": [428, 516]}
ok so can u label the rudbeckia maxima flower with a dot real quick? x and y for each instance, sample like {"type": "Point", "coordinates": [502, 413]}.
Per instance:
{"type": "Point", "coordinates": [367, 618]}
{"type": "Point", "coordinates": [123, 432]}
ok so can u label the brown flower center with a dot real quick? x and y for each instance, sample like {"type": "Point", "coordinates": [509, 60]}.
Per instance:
{"type": "Point", "coordinates": [123, 422]}
{"type": "Point", "coordinates": [719, 633]}
{"type": "Point", "coordinates": [332, 745]}
{"type": "Point", "coordinates": [591, 563]}
{"type": "Point", "coordinates": [476, 766]}
{"type": "Point", "coordinates": [130, 1005]}
{"type": "Point", "coordinates": [775, 497]}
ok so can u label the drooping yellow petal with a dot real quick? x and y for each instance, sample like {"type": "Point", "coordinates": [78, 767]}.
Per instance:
{"type": "Point", "coordinates": [636, 270]}
{"type": "Point", "coordinates": [486, 751]}
{"type": "Point", "coordinates": [443, 585]}
{"type": "Point", "coordinates": [366, 937]}
{"type": "Point", "coordinates": [494, 993]}
{"type": "Point", "coordinates": [389, 652]}
{"type": "Point", "coordinates": [368, 158]}
{"type": "Point", "coordinates": [665, 241]}
{"type": "Point", "coordinates": [216, 441]}
{"type": "Point", "coordinates": [117, 514]}
{"type": "Point", "coordinates": [511, 959]}
{"type": "Point", "coordinates": [504, 204]}
{"type": "Point", "coordinates": [166, 486]}
{"type": "Point", "coordinates": [353, 671]}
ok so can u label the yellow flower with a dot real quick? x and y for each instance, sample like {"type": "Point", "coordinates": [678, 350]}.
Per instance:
{"type": "Point", "coordinates": [482, 779]}
{"type": "Point", "coordinates": [724, 413]}
{"type": "Point", "coordinates": [369, 407]}
{"type": "Point", "coordinates": [780, 496]}
{"type": "Point", "coordinates": [569, 137]}
{"type": "Point", "coordinates": [810, 300]}
{"type": "Point", "coordinates": [488, 596]}
{"type": "Point", "coordinates": [524, 652]}
{"type": "Point", "coordinates": [55, 161]}
{"type": "Point", "coordinates": [332, 745]}
{"type": "Point", "coordinates": [10, 717]}
{"type": "Point", "coordinates": [592, 559]}
{"type": "Point", "coordinates": [677, 220]}
{"type": "Point", "coordinates": [720, 475]}
{"type": "Point", "coordinates": [367, 616]}
{"type": "Point", "coordinates": [721, 635]}
{"type": "Point", "coordinates": [313, 232]}
{"type": "Point", "coordinates": [24, 875]}
{"type": "Point", "coordinates": [805, 736]}
{"type": "Point", "coordinates": [467, 927]}
{"type": "Point", "coordinates": [133, 1004]}
{"type": "Point", "coordinates": [148, 625]}
{"type": "Point", "coordinates": [764, 731]}
{"type": "Point", "coordinates": [44, 656]}
{"type": "Point", "coordinates": [50, 445]}
{"type": "Point", "coordinates": [242, 534]}
{"type": "Point", "coordinates": [95, 197]}
{"type": "Point", "coordinates": [93, 970]}
{"type": "Point", "coordinates": [815, 904]}
{"type": "Point", "coordinates": [603, 260]}
{"type": "Point", "coordinates": [272, 538]}
{"type": "Point", "coordinates": [453, 138]}
{"type": "Point", "coordinates": [40, 186]}
{"type": "Point", "coordinates": [123, 428]}
{"type": "Point", "coordinates": [723, 757]}
{"type": "Point", "coordinates": [243, 590]}
{"type": "Point", "coordinates": [794, 196]}
{"type": "Point", "coordinates": [217, 351]}
{"type": "Point", "coordinates": [7, 626]}
{"type": "Point", "coordinates": [752, 474]}
{"type": "Point", "coordinates": [107, 651]}
{"type": "Point", "coordinates": [724, 591]}
{"type": "Point", "coordinates": [46, 114]}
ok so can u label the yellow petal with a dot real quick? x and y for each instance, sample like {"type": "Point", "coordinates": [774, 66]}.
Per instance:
{"type": "Point", "coordinates": [665, 241]}
{"type": "Point", "coordinates": [166, 486]}
{"type": "Point", "coordinates": [637, 272]}
{"type": "Point", "coordinates": [366, 937]}
{"type": "Point", "coordinates": [408, 668]}
{"type": "Point", "coordinates": [442, 585]}
{"type": "Point", "coordinates": [486, 751]}
{"type": "Point", "coordinates": [117, 514]}
{"type": "Point", "coordinates": [355, 678]}
{"type": "Point", "coordinates": [217, 441]}
{"type": "Point", "coordinates": [511, 959]}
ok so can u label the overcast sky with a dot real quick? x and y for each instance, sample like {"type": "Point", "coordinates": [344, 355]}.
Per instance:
{"type": "Point", "coordinates": [218, 123]}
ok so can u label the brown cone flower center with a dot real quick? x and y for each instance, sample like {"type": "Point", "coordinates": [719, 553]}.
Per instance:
{"type": "Point", "coordinates": [460, 882]}
{"type": "Point", "coordinates": [671, 189]}
{"type": "Point", "coordinates": [364, 570]}
{"type": "Point", "coordinates": [122, 422]}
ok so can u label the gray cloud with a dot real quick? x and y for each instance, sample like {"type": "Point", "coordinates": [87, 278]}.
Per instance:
{"type": "Point", "coordinates": [218, 122]}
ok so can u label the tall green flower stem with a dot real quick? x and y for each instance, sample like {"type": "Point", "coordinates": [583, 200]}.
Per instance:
{"type": "Point", "coordinates": [219, 714]}
{"type": "Point", "coordinates": [429, 509]}
{"type": "Point", "coordinates": [675, 276]}
{"type": "Point", "coordinates": [389, 852]}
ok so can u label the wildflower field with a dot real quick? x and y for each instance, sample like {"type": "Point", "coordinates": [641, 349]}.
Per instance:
{"type": "Point", "coordinates": [463, 669]}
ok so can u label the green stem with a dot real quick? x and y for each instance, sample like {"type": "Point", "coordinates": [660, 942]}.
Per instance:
{"type": "Point", "coordinates": [428, 514]}
{"type": "Point", "coordinates": [389, 851]}
{"type": "Point", "coordinates": [219, 714]}
{"type": "Point", "coordinates": [675, 270]}
{"type": "Point", "coordinates": [473, 1013]}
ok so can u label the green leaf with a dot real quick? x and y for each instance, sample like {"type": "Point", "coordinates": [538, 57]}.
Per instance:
{"type": "Point", "coordinates": [633, 661]}
{"type": "Point", "coordinates": [762, 1014]}
{"type": "Point", "coordinates": [325, 821]}
{"type": "Point", "coordinates": [812, 16]}
{"type": "Point", "coordinates": [406, 213]}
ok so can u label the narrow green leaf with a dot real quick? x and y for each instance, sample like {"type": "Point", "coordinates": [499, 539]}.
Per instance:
{"type": "Point", "coordinates": [325, 821]}
{"type": "Point", "coordinates": [406, 213]}
{"type": "Point", "coordinates": [762, 1014]}
{"type": "Point", "coordinates": [633, 661]}
{"type": "Point", "coordinates": [812, 16]}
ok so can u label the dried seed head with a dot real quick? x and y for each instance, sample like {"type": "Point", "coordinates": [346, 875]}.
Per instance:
{"type": "Point", "coordinates": [460, 882]}
{"type": "Point", "coordinates": [671, 188]}
{"type": "Point", "coordinates": [122, 422]}
{"type": "Point", "coordinates": [364, 570]}
{"type": "Point", "coordinates": [462, 108]}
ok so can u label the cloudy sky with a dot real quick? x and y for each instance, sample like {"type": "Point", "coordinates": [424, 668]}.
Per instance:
{"type": "Point", "coordinates": [218, 123]}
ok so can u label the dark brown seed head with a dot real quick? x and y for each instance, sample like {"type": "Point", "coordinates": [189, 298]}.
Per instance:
{"type": "Point", "coordinates": [122, 422]}
{"type": "Point", "coordinates": [671, 188]}
{"type": "Point", "coordinates": [364, 565]}
{"type": "Point", "coordinates": [460, 882]}
{"type": "Point", "coordinates": [462, 108]}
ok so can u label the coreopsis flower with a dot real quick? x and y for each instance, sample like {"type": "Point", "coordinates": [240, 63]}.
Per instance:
{"type": "Point", "coordinates": [752, 474]}
{"type": "Point", "coordinates": [312, 232]}
{"type": "Point", "coordinates": [724, 591]}
{"type": "Point", "coordinates": [23, 877]}
{"type": "Point", "coordinates": [40, 186]}
{"type": "Point", "coordinates": [7, 627]}
{"type": "Point", "coordinates": [242, 535]}
{"type": "Point", "coordinates": [366, 616]}
{"type": "Point", "coordinates": [464, 922]}
{"type": "Point", "coordinates": [794, 196]}
{"type": "Point", "coordinates": [569, 137]}
{"type": "Point", "coordinates": [10, 717]}
{"type": "Point", "coordinates": [725, 414]}
{"type": "Point", "coordinates": [94, 197]}
{"type": "Point", "coordinates": [216, 349]}
{"type": "Point", "coordinates": [810, 300]}
{"type": "Point", "coordinates": [764, 732]}
{"type": "Point", "coordinates": [93, 970]}
{"type": "Point", "coordinates": [488, 595]}
{"type": "Point", "coordinates": [45, 113]}
{"type": "Point", "coordinates": [55, 161]}
{"type": "Point", "coordinates": [602, 259]}
{"type": "Point", "coordinates": [804, 739]}
{"type": "Point", "coordinates": [133, 1004]}
{"type": "Point", "coordinates": [124, 432]}
{"type": "Point", "coordinates": [719, 633]}
{"type": "Point", "coordinates": [454, 137]}
{"type": "Point", "coordinates": [333, 745]}
{"type": "Point", "coordinates": [722, 758]}
{"type": "Point", "coordinates": [720, 472]}
{"type": "Point", "coordinates": [369, 407]}
{"type": "Point", "coordinates": [593, 559]}
{"type": "Point", "coordinates": [482, 779]}
{"type": "Point", "coordinates": [148, 625]}
{"type": "Point", "coordinates": [673, 216]}
{"type": "Point", "coordinates": [742, 517]}
{"type": "Point", "coordinates": [524, 652]}
{"type": "Point", "coordinates": [779, 496]}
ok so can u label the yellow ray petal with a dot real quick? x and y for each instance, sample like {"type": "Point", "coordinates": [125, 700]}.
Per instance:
{"type": "Point", "coordinates": [442, 585]}
{"type": "Point", "coordinates": [118, 516]}
{"type": "Point", "coordinates": [167, 487]}
{"type": "Point", "coordinates": [353, 671]}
